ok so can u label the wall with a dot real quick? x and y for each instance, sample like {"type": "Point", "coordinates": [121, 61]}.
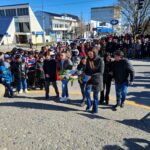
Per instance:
{"type": "Point", "coordinates": [35, 27]}
{"type": "Point", "coordinates": [11, 31]}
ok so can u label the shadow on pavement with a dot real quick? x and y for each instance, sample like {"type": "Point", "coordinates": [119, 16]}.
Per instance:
{"type": "Point", "coordinates": [131, 144]}
{"type": "Point", "coordinates": [142, 97]}
{"type": "Point", "coordinates": [92, 116]}
{"type": "Point", "coordinates": [142, 124]}
{"type": "Point", "coordinates": [31, 105]}
{"type": "Point", "coordinates": [112, 147]}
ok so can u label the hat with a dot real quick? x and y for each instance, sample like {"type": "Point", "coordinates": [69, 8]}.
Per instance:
{"type": "Point", "coordinates": [52, 53]}
{"type": "Point", "coordinates": [6, 56]}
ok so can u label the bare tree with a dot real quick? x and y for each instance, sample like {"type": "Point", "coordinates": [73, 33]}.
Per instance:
{"type": "Point", "coordinates": [138, 18]}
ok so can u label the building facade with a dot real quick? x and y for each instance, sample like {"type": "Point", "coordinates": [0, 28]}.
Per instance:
{"type": "Point", "coordinates": [104, 15]}
{"type": "Point", "coordinates": [58, 26]}
{"type": "Point", "coordinates": [19, 25]}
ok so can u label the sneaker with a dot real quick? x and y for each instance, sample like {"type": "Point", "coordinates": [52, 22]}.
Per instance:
{"type": "Point", "coordinates": [20, 92]}
{"type": "Point", "coordinates": [67, 98]}
{"type": "Point", "coordinates": [26, 91]}
{"type": "Point", "coordinates": [88, 109]}
{"type": "Point", "coordinates": [62, 99]}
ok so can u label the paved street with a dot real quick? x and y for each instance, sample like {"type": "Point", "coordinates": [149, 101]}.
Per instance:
{"type": "Point", "coordinates": [28, 122]}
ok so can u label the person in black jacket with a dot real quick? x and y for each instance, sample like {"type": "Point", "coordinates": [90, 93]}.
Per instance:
{"type": "Point", "coordinates": [122, 70]}
{"type": "Point", "coordinates": [50, 70]}
{"type": "Point", "coordinates": [107, 78]}
{"type": "Point", "coordinates": [94, 69]}
{"type": "Point", "coordinates": [19, 70]}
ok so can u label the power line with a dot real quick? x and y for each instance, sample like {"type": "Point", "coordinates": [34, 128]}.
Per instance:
{"type": "Point", "coordinates": [67, 4]}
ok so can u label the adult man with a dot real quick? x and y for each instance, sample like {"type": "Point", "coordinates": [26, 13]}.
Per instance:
{"type": "Point", "coordinates": [64, 64]}
{"type": "Point", "coordinates": [122, 70]}
{"type": "Point", "coordinates": [50, 70]}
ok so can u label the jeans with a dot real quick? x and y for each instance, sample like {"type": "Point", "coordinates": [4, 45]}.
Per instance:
{"type": "Point", "coordinates": [121, 92]}
{"type": "Point", "coordinates": [82, 87]}
{"type": "Point", "coordinates": [89, 101]}
{"type": "Point", "coordinates": [54, 84]}
{"type": "Point", "coordinates": [9, 89]}
{"type": "Point", "coordinates": [65, 88]}
{"type": "Point", "coordinates": [22, 84]}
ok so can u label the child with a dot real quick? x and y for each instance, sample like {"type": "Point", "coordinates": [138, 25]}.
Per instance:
{"type": "Point", "coordinates": [6, 79]}
{"type": "Point", "coordinates": [19, 70]}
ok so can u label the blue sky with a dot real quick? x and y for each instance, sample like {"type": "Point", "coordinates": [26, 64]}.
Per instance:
{"type": "Point", "coordinates": [76, 7]}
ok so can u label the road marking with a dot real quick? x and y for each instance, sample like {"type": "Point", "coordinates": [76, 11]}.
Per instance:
{"type": "Point", "coordinates": [128, 102]}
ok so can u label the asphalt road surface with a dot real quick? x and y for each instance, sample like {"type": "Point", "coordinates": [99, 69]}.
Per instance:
{"type": "Point", "coordinates": [28, 122]}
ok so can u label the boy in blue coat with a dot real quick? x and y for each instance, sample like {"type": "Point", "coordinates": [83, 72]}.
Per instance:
{"type": "Point", "coordinates": [6, 79]}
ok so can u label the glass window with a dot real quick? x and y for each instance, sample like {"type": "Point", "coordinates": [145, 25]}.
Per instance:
{"type": "Point", "coordinates": [22, 27]}
{"type": "Point", "coordinates": [22, 11]}
{"type": "Point", "coordinates": [10, 12]}
{"type": "Point", "coordinates": [2, 13]}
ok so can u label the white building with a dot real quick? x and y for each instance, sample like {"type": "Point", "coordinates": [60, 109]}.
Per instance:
{"type": "Point", "coordinates": [58, 26]}
{"type": "Point", "coordinates": [104, 15]}
{"type": "Point", "coordinates": [19, 25]}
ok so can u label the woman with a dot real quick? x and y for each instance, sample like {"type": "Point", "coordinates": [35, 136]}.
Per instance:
{"type": "Point", "coordinates": [40, 76]}
{"type": "Point", "coordinates": [107, 78]}
{"type": "Point", "coordinates": [94, 69]}
{"type": "Point", "coordinates": [82, 78]}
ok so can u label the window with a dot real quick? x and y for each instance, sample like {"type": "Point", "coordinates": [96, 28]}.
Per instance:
{"type": "Point", "coordinates": [10, 12]}
{"type": "Point", "coordinates": [22, 11]}
{"type": "Point", "coordinates": [2, 13]}
{"type": "Point", "coordinates": [22, 27]}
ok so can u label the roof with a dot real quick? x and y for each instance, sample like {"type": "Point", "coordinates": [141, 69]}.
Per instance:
{"type": "Point", "coordinates": [15, 5]}
{"type": "Point", "coordinates": [52, 14]}
{"type": "Point", "coordinates": [105, 7]}
{"type": "Point", "coordinates": [72, 16]}
{"type": "Point", "coordinates": [60, 15]}
{"type": "Point", "coordinates": [5, 24]}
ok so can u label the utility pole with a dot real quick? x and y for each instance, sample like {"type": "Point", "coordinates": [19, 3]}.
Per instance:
{"type": "Point", "coordinates": [43, 23]}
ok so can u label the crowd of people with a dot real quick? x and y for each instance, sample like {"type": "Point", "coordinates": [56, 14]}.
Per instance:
{"type": "Point", "coordinates": [95, 64]}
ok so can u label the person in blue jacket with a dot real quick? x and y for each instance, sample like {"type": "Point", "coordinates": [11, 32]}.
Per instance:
{"type": "Point", "coordinates": [6, 79]}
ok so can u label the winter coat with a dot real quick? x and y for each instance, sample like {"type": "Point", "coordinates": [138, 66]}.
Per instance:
{"type": "Point", "coordinates": [19, 71]}
{"type": "Point", "coordinates": [122, 70]}
{"type": "Point", "coordinates": [50, 68]}
{"type": "Point", "coordinates": [107, 72]}
{"type": "Point", "coordinates": [67, 65]}
{"type": "Point", "coordinates": [96, 74]}
{"type": "Point", "coordinates": [5, 74]}
{"type": "Point", "coordinates": [39, 70]}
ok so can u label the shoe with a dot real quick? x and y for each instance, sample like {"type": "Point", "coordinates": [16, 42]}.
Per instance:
{"type": "Point", "coordinates": [88, 109]}
{"type": "Point", "coordinates": [94, 112]}
{"type": "Point", "coordinates": [83, 103]}
{"type": "Point", "coordinates": [116, 106]}
{"type": "Point", "coordinates": [106, 103]}
{"type": "Point", "coordinates": [20, 92]}
{"type": "Point", "coordinates": [47, 97]}
{"type": "Point", "coordinates": [122, 105]}
{"type": "Point", "coordinates": [62, 99]}
{"type": "Point", "coordinates": [101, 103]}
{"type": "Point", "coordinates": [67, 98]}
{"type": "Point", "coordinates": [26, 91]}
